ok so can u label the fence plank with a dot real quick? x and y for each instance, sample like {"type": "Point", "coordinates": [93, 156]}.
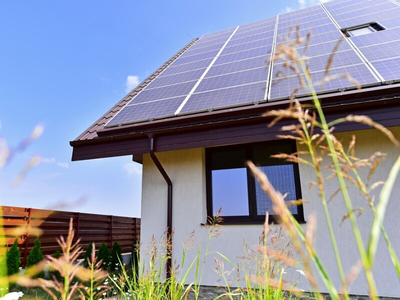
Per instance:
{"type": "Point", "coordinates": [89, 227]}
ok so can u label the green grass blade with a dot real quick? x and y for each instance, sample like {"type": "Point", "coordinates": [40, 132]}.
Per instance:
{"type": "Point", "coordinates": [380, 212]}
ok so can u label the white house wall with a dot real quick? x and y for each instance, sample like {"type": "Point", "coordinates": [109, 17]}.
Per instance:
{"type": "Point", "coordinates": [186, 169]}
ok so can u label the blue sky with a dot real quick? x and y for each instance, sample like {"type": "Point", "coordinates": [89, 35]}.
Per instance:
{"type": "Point", "coordinates": [65, 63]}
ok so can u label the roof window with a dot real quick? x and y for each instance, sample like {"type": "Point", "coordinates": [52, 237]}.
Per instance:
{"type": "Point", "coordinates": [362, 29]}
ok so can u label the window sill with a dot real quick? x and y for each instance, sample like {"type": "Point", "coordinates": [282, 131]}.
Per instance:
{"type": "Point", "coordinates": [248, 221]}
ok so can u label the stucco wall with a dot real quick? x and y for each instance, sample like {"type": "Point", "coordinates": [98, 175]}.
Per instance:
{"type": "Point", "coordinates": [186, 169]}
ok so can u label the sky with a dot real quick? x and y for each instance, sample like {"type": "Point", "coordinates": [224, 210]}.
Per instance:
{"type": "Point", "coordinates": [63, 64]}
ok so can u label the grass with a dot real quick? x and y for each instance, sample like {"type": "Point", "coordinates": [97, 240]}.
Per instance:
{"type": "Point", "coordinates": [33, 293]}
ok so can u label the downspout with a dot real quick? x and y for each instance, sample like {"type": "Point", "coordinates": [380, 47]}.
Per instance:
{"type": "Point", "coordinates": [164, 174]}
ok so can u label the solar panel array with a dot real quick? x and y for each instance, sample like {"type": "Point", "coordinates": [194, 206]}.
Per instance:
{"type": "Point", "coordinates": [233, 68]}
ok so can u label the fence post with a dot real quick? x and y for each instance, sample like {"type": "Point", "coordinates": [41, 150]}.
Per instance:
{"type": "Point", "coordinates": [77, 225]}
{"type": "Point", "coordinates": [111, 232]}
{"type": "Point", "coordinates": [27, 236]}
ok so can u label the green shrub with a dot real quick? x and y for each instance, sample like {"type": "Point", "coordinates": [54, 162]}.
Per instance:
{"type": "Point", "coordinates": [116, 257]}
{"type": "Point", "coordinates": [35, 256]}
{"type": "Point", "coordinates": [87, 255]}
{"type": "Point", "coordinates": [104, 255]}
{"type": "Point", "coordinates": [13, 259]}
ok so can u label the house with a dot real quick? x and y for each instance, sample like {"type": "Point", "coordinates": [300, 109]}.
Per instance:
{"type": "Point", "coordinates": [197, 118]}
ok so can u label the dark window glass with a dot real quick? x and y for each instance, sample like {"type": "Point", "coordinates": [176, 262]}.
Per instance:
{"type": "Point", "coordinates": [282, 179]}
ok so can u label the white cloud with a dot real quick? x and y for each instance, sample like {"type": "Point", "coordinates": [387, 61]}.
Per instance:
{"type": "Point", "coordinates": [132, 169]}
{"type": "Point", "coordinates": [52, 160]}
{"type": "Point", "coordinates": [302, 3]}
{"type": "Point", "coordinates": [63, 165]}
{"type": "Point", "coordinates": [48, 160]}
{"type": "Point", "coordinates": [131, 82]}
{"type": "Point", "coordinates": [307, 3]}
{"type": "Point", "coordinates": [288, 9]}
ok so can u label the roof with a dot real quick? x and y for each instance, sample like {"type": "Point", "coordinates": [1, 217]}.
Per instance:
{"type": "Point", "coordinates": [229, 78]}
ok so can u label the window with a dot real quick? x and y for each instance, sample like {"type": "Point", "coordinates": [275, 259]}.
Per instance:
{"type": "Point", "coordinates": [231, 186]}
{"type": "Point", "coordinates": [362, 29]}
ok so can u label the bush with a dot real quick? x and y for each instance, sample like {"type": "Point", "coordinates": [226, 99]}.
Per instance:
{"type": "Point", "coordinates": [13, 259]}
{"type": "Point", "coordinates": [104, 255]}
{"type": "Point", "coordinates": [35, 256]}
{"type": "Point", "coordinates": [116, 258]}
{"type": "Point", "coordinates": [87, 255]}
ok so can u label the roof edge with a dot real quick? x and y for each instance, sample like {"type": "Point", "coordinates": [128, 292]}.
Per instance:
{"type": "Point", "coordinates": [188, 120]}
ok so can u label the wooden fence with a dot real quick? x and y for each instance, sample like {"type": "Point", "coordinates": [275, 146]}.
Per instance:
{"type": "Point", "coordinates": [88, 227]}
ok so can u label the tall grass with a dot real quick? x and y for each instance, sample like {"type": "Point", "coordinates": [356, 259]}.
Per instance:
{"type": "Point", "coordinates": [317, 135]}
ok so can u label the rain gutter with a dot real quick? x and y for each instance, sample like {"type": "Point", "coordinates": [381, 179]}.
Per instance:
{"type": "Point", "coordinates": [164, 174]}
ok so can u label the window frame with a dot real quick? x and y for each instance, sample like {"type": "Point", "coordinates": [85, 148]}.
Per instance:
{"type": "Point", "coordinates": [372, 26]}
{"type": "Point", "coordinates": [252, 217]}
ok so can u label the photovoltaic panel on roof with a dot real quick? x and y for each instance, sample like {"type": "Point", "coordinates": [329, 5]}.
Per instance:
{"type": "Point", "coordinates": [381, 51]}
{"type": "Point", "coordinates": [227, 97]}
{"type": "Point", "coordinates": [187, 67]}
{"type": "Point", "coordinates": [375, 38]}
{"type": "Point", "coordinates": [358, 72]}
{"type": "Point", "coordinates": [389, 69]}
{"type": "Point", "coordinates": [149, 110]}
{"type": "Point", "coordinates": [233, 67]}
{"type": "Point", "coordinates": [318, 63]}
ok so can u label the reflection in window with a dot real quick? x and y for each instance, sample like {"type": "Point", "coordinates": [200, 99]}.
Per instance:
{"type": "Point", "coordinates": [230, 191]}
{"type": "Point", "coordinates": [282, 179]}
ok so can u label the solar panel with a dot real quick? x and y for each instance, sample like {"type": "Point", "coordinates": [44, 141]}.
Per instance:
{"type": "Point", "coordinates": [318, 63]}
{"type": "Point", "coordinates": [169, 91]}
{"type": "Point", "coordinates": [324, 20]}
{"type": "Point", "coordinates": [390, 23]}
{"type": "Point", "coordinates": [320, 49]}
{"type": "Point", "coordinates": [243, 55]}
{"type": "Point", "coordinates": [231, 67]}
{"type": "Point", "coordinates": [389, 69]}
{"type": "Point", "coordinates": [252, 31]}
{"type": "Point", "coordinates": [195, 57]}
{"type": "Point", "coordinates": [247, 46]}
{"type": "Point", "coordinates": [237, 66]}
{"type": "Point", "coordinates": [180, 77]}
{"type": "Point", "coordinates": [270, 22]}
{"type": "Point", "coordinates": [145, 111]}
{"type": "Point", "coordinates": [361, 73]}
{"type": "Point", "coordinates": [250, 38]}
{"type": "Point", "coordinates": [233, 79]}
{"type": "Point", "coordinates": [193, 51]}
{"type": "Point", "coordinates": [362, 10]}
{"type": "Point", "coordinates": [381, 51]}
{"type": "Point", "coordinates": [375, 38]}
{"type": "Point", "coordinates": [389, 13]}
{"type": "Point", "coordinates": [225, 97]}
{"type": "Point", "coordinates": [187, 67]}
